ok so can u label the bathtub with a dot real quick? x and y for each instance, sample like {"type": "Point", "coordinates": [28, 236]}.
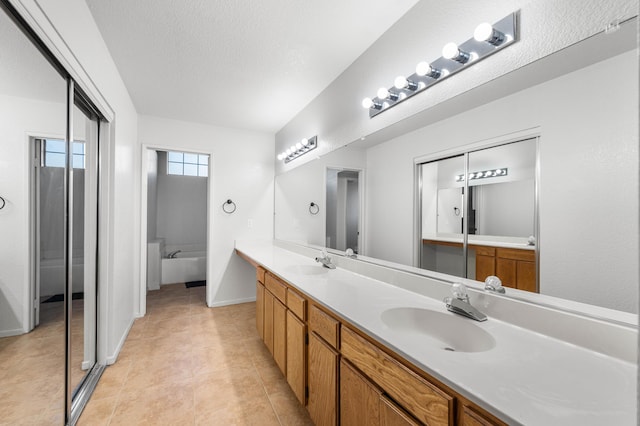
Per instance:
{"type": "Point", "coordinates": [185, 267]}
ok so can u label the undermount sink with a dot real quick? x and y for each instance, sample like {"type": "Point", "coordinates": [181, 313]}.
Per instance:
{"type": "Point", "coordinates": [451, 332]}
{"type": "Point", "coordinates": [307, 269]}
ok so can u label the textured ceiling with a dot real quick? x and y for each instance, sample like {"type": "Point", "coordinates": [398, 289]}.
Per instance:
{"type": "Point", "coordinates": [243, 64]}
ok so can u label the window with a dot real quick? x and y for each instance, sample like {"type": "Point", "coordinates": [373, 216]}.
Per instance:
{"type": "Point", "coordinates": [187, 164]}
{"type": "Point", "coordinates": [54, 153]}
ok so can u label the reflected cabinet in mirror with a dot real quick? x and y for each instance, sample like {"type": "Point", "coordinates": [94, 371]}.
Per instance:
{"type": "Point", "coordinates": [478, 214]}
{"type": "Point", "coordinates": [563, 219]}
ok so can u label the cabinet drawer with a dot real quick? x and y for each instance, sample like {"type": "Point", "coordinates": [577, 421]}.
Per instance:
{"type": "Point", "coordinates": [515, 254]}
{"type": "Point", "coordinates": [484, 250]}
{"type": "Point", "coordinates": [276, 287]}
{"type": "Point", "coordinates": [296, 304]}
{"type": "Point", "coordinates": [260, 272]}
{"type": "Point", "coordinates": [423, 400]}
{"type": "Point", "coordinates": [324, 325]}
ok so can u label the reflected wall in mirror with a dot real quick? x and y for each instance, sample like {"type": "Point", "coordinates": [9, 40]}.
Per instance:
{"type": "Point", "coordinates": [500, 221]}
{"type": "Point", "coordinates": [588, 230]}
{"type": "Point", "coordinates": [343, 209]}
{"type": "Point", "coordinates": [317, 182]}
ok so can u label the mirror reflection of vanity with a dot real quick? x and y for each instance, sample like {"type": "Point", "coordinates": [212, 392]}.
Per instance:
{"type": "Point", "coordinates": [478, 214]}
{"type": "Point", "coordinates": [579, 106]}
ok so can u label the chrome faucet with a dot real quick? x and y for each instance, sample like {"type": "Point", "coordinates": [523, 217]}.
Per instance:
{"type": "Point", "coordinates": [459, 303]}
{"type": "Point", "coordinates": [325, 260]}
{"type": "Point", "coordinates": [494, 284]}
{"type": "Point", "coordinates": [172, 255]}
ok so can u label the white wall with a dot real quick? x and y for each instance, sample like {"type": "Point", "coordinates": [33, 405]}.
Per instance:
{"type": "Point", "coordinates": [546, 26]}
{"type": "Point", "coordinates": [20, 118]}
{"type": "Point", "coordinates": [296, 189]}
{"type": "Point", "coordinates": [152, 194]}
{"type": "Point", "coordinates": [241, 169]}
{"type": "Point", "coordinates": [589, 245]}
{"type": "Point", "coordinates": [181, 209]}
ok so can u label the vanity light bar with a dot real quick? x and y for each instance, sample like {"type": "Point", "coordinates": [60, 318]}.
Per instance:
{"type": "Point", "coordinates": [301, 148]}
{"type": "Point", "coordinates": [484, 174]}
{"type": "Point", "coordinates": [487, 40]}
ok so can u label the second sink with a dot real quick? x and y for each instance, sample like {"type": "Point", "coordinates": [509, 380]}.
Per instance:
{"type": "Point", "coordinates": [452, 333]}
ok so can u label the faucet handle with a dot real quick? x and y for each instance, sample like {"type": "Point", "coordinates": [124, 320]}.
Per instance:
{"type": "Point", "coordinates": [493, 283]}
{"type": "Point", "coordinates": [459, 291]}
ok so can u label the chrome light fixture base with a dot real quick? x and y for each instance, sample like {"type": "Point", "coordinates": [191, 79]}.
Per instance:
{"type": "Point", "coordinates": [504, 35]}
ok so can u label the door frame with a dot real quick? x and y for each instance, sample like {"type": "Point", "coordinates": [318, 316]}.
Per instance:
{"type": "Point", "coordinates": [140, 300]}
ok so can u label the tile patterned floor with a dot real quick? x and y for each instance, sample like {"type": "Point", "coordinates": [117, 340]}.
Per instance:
{"type": "Point", "coordinates": [187, 364]}
{"type": "Point", "coordinates": [32, 368]}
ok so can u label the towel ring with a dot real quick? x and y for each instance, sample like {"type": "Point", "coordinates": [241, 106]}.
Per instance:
{"type": "Point", "coordinates": [231, 208]}
{"type": "Point", "coordinates": [314, 208]}
{"type": "Point", "coordinates": [2, 203]}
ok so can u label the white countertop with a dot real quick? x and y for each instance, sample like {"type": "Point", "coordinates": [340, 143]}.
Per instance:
{"type": "Point", "coordinates": [483, 240]}
{"type": "Point", "coordinates": [526, 378]}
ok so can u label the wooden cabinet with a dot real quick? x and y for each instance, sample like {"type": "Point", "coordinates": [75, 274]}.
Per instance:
{"type": "Point", "coordinates": [517, 268]}
{"type": "Point", "coordinates": [323, 382]}
{"type": "Point", "coordinates": [359, 398]}
{"type": "Point", "coordinates": [472, 417]}
{"type": "Point", "coordinates": [485, 261]}
{"type": "Point", "coordinates": [260, 309]}
{"type": "Point", "coordinates": [392, 415]}
{"type": "Point", "coordinates": [297, 356]}
{"type": "Point", "coordinates": [422, 399]}
{"type": "Point", "coordinates": [268, 320]}
{"type": "Point", "coordinates": [280, 335]}
{"type": "Point", "coordinates": [345, 377]}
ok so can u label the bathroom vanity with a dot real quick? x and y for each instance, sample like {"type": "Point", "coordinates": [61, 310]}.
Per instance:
{"type": "Point", "coordinates": [363, 347]}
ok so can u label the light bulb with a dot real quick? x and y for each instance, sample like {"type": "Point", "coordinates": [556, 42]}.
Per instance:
{"type": "Point", "coordinates": [483, 32]}
{"type": "Point", "coordinates": [383, 93]}
{"type": "Point", "coordinates": [400, 82]}
{"type": "Point", "coordinates": [304, 141]}
{"type": "Point", "coordinates": [367, 103]}
{"type": "Point", "coordinates": [288, 152]}
{"type": "Point", "coordinates": [450, 51]}
{"type": "Point", "coordinates": [299, 146]}
{"type": "Point", "coordinates": [279, 157]}
{"type": "Point", "coordinates": [292, 148]}
{"type": "Point", "coordinates": [486, 32]}
{"type": "Point", "coordinates": [423, 68]}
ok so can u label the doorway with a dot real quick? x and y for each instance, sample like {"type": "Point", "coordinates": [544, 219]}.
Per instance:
{"type": "Point", "coordinates": [177, 189]}
{"type": "Point", "coordinates": [343, 220]}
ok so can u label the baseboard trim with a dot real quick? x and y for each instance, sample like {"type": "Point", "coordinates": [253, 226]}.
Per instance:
{"type": "Point", "coordinates": [111, 359]}
{"type": "Point", "coordinates": [14, 332]}
{"type": "Point", "coordinates": [232, 302]}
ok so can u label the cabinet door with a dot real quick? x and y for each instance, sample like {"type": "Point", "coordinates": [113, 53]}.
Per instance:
{"type": "Point", "coordinates": [280, 335]}
{"type": "Point", "coordinates": [323, 382]}
{"type": "Point", "coordinates": [359, 398]}
{"type": "Point", "coordinates": [392, 415]}
{"type": "Point", "coordinates": [526, 279]}
{"type": "Point", "coordinates": [260, 309]}
{"type": "Point", "coordinates": [296, 356]}
{"type": "Point", "coordinates": [506, 271]}
{"type": "Point", "coordinates": [485, 266]}
{"type": "Point", "coordinates": [268, 320]}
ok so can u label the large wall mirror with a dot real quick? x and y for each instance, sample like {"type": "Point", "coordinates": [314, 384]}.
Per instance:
{"type": "Point", "coordinates": [577, 110]}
